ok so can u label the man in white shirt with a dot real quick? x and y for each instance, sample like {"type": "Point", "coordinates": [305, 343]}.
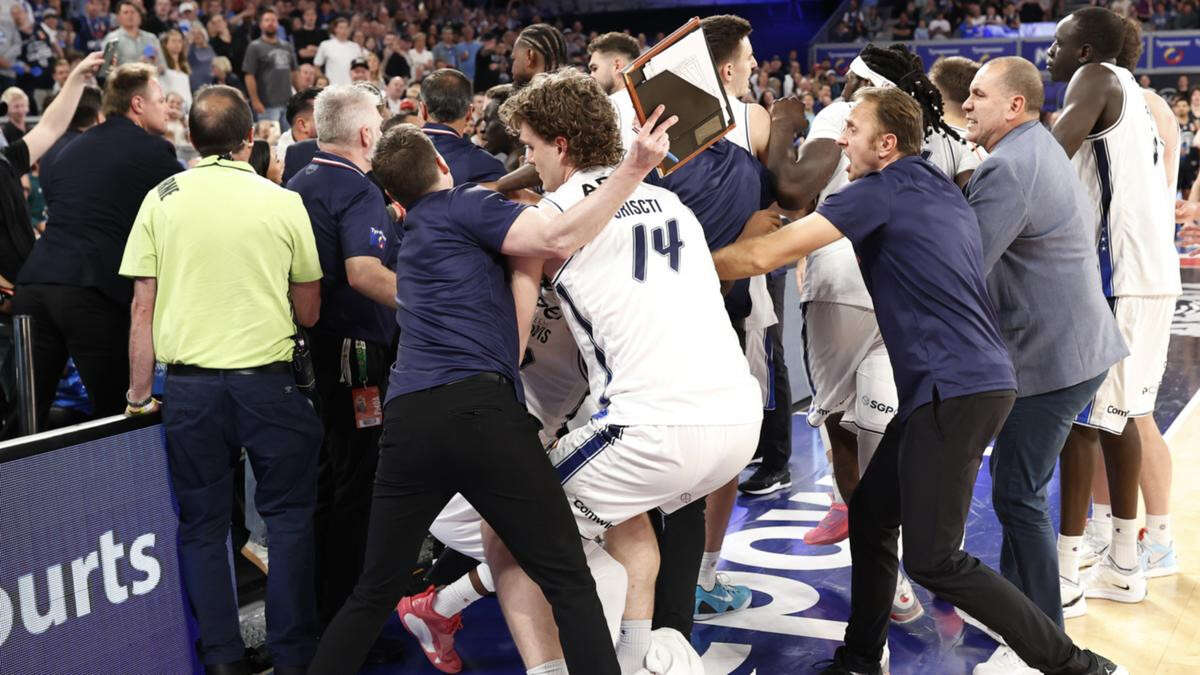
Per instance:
{"type": "Point", "coordinates": [395, 94]}
{"type": "Point", "coordinates": [420, 58]}
{"type": "Point", "coordinates": [335, 54]}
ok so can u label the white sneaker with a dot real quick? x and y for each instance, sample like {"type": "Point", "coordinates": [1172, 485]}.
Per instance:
{"type": "Point", "coordinates": [1004, 661]}
{"type": "Point", "coordinates": [1074, 600]}
{"type": "Point", "coordinates": [1109, 582]}
{"type": "Point", "coordinates": [885, 662]}
{"type": "Point", "coordinates": [1097, 537]}
{"type": "Point", "coordinates": [1158, 560]}
{"type": "Point", "coordinates": [906, 608]}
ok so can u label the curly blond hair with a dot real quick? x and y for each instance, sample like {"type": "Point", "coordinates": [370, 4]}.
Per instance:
{"type": "Point", "coordinates": [571, 105]}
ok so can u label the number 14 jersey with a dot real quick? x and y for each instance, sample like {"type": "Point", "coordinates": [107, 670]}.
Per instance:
{"type": "Point", "coordinates": [644, 304]}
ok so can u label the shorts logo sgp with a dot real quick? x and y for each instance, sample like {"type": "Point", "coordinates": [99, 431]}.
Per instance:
{"type": "Point", "coordinates": [876, 405]}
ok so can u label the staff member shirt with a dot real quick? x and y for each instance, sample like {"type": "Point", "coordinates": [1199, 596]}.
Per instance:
{"type": "Point", "coordinates": [468, 162]}
{"type": "Point", "coordinates": [223, 243]}
{"type": "Point", "coordinates": [349, 219]}
{"type": "Point", "coordinates": [92, 197]}
{"type": "Point", "coordinates": [919, 250]}
{"type": "Point", "coordinates": [456, 312]}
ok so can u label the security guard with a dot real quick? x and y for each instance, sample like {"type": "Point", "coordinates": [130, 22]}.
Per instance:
{"type": "Point", "coordinates": [215, 292]}
{"type": "Point", "coordinates": [354, 342]}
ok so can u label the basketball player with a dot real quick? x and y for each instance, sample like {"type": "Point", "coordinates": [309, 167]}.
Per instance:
{"type": "Point", "coordinates": [728, 38]}
{"type": "Point", "coordinates": [952, 76]}
{"type": "Point", "coordinates": [922, 261]}
{"type": "Point", "coordinates": [539, 48]}
{"type": "Point", "coordinates": [1108, 131]}
{"type": "Point", "coordinates": [608, 55]}
{"type": "Point", "coordinates": [1156, 546]}
{"type": "Point", "coordinates": [642, 307]}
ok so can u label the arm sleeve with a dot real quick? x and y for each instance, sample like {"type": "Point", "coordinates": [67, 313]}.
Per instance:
{"type": "Point", "coordinates": [996, 196]}
{"type": "Point", "coordinates": [306, 266]}
{"type": "Point", "coordinates": [141, 255]}
{"type": "Point", "coordinates": [364, 225]}
{"type": "Point", "coordinates": [250, 60]}
{"type": "Point", "coordinates": [486, 216]}
{"type": "Point", "coordinates": [859, 208]}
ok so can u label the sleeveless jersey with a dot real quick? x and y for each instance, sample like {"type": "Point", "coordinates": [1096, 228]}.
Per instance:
{"type": "Point", "coordinates": [626, 116]}
{"type": "Point", "coordinates": [553, 372]}
{"type": "Point", "coordinates": [645, 307]}
{"type": "Point", "coordinates": [1121, 167]}
{"type": "Point", "coordinates": [740, 134]}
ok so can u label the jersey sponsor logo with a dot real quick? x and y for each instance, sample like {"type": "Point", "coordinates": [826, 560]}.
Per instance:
{"type": "Point", "coordinates": [590, 514]}
{"type": "Point", "coordinates": [1114, 410]}
{"type": "Point", "coordinates": [540, 332]}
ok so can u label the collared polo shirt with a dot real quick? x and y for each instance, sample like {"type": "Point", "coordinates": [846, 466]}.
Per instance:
{"type": "Point", "coordinates": [349, 219]}
{"type": "Point", "coordinates": [223, 243]}
{"type": "Point", "coordinates": [456, 312]}
{"type": "Point", "coordinates": [919, 250]}
{"type": "Point", "coordinates": [468, 162]}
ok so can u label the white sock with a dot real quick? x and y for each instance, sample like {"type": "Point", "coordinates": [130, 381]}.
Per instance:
{"type": "Point", "coordinates": [456, 597]}
{"type": "Point", "coordinates": [708, 569]}
{"type": "Point", "coordinates": [555, 667]}
{"type": "Point", "coordinates": [1158, 529]}
{"type": "Point", "coordinates": [633, 644]}
{"type": "Point", "coordinates": [1124, 543]}
{"type": "Point", "coordinates": [1068, 557]}
{"type": "Point", "coordinates": [1102, 514]}
{"type": "Point", "coordinates": [485, 578]}
{"type": "Point", "coordinates": [837, 494]}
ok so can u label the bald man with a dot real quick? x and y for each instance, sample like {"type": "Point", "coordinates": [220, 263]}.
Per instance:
{"type": "Point", "coordinates": [1036, 223]}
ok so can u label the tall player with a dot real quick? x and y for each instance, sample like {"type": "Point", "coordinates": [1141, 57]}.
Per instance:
{"type": "Point", "coordinates": [643, 304]}
{"type": "Point", "coordinates": [1156, 545]}
{"type": "Point", "coordinates": [728, 38]}
{"type": "Point", "coordinates": [1109, 133]}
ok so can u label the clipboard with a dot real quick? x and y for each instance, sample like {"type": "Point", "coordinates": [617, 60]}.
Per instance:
{"type": "Point", "coordinates": [680, 75]}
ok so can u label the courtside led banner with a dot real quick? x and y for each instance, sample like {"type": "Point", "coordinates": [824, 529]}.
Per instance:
{"type": "Point", "coordinates": [89, 574]}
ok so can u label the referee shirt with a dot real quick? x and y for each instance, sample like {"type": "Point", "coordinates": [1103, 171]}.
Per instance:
{"type": "Point", "coordinates": [223, 279]}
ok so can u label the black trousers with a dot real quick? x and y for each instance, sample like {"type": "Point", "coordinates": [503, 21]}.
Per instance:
{"type": "Point", "coordinates": [346, 467]}
{"type": "Point", "coordinates": [775, 440]}
{"type": "Point", "coordinates": [472, 436]}
{"type": "Point", "coordinates": [922, 476]}
{"type": "Point", "coordinates": [84, 324]}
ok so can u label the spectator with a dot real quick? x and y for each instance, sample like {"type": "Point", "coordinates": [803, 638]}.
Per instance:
{"type": "Point", "coordinates": [177, 77]}
{"type": "Point", "coordinates": [921, 32]}
{"type": "Point", "coordinates": [94, 25]}
{"type": "Point", "coordinates": [466, 50]}
{"type": "Point", "coordinates": [1160, 20]}
{"type": "Point", "coordinates": [160, 20]}
{"type": "Point", "coordinates": [16, 236]}
{"type": "Point", "coordinates": [446, 110]}
{"type": "Point", "coordinates": [305, 77]}
{"type": "Point", "coordinates": [200, 57]}
{"type": "Point", "coordinates": [939, 28]}
{"type": "Point", "coordinates": [268, 69]}
{"type": "Point", "coordinates": [219, 37]}
{"type": "Point", "coordinates": [1182, 85]}
{"type": "Point", "coordinates": [903, 28]}
{"type": "Point", "coordinates": [872, 23]}
{"type": "Point", "coordinates": [18, 108]}
{"type": "Point", "coordinates": [395, 57]}
{"type": "Point", "coordinates": [360, 70]}
{"type": "Point", "coordinates": [266, 130]}
{"type": "Point", "coordinates": [300, 120]}
{"type": "Point", "coordinates": [38, 55]}
{"type": "Point", "coordinates": [445, 50]}
{"type": "Point", "coordinates": [491, 64]}
{"type": "Point", "coordinates": [223, 73]}
{"type": "Point", "coordinates": [176, 131]}
{"type": "Point", "coordinates": [133, 44]}
{"type": "Point", "coordinates": [1031, 11]}
{"type": "Point", "coordinates": [264, 159]}
{"type": "Point", "coordinates": [308, 38]}
{"type": "Point", "coordinates": [357, 245]}
{"type": "Point", "coordinates": [395, 94]}
{"type": "Point", "coordinates": [420, 58]}
{"type": "Point", "coordinates": [226, 360]}
{"type": "Point", "coordinates": [1187, 19]}
{"type": "Point", "coordinates": [87, 115]}
{"type": "Point", "coordinates": [336, 53]}
{"type": "Point", "coordinates": [62, 68]}
{"type": "Point", "coordinates": [842, 33]}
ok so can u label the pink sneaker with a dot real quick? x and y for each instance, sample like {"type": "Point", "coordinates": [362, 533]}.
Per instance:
{"type": "Point", "coordinates": [434, 631]}
{"type": "Point", "coordinates": [834, 527]}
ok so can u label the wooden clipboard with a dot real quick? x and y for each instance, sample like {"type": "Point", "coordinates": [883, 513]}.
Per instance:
{"type": "Point", "coordinates": [703, 118]}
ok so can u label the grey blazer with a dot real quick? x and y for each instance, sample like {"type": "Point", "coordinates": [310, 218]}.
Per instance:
{"type": "Point", "coordinates": [1039, 253]}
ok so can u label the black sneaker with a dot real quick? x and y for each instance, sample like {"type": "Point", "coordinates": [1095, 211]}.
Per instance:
{"type": "Point", "coordinates": [1102, 666]}
{"type": "Point", "coordinates": [765, 481]}
{"type": "Point", "coordinates": [840, 664]}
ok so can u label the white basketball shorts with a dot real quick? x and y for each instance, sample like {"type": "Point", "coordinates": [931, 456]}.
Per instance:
{"type": "Point", "coordinates": [848, 366]}
{"type": "Point", "coordinates": [1131, 386]}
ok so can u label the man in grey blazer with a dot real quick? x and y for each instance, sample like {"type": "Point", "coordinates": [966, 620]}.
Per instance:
{"type": "Point", "coordinates": [1043, 276]}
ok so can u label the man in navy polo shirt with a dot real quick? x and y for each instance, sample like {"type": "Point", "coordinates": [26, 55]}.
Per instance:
{"type": "Point", "coordinates": [454, 419]}
{"type": "Point", "coordinates": [353, 342]}
{"type": "Point", "coordinates": [919, 248]}
{"type": "Point", "coordinates": [446, 112]}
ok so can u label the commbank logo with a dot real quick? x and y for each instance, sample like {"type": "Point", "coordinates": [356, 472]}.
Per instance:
{"type": "Point", "coordinates": [104, 558]}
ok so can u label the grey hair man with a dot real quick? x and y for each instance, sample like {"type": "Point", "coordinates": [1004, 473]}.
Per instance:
{"type": "Point", "coordinates": [1037, 229]}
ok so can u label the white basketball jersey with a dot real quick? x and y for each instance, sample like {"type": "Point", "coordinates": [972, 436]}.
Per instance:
{"type": "Point", "coordinates": [1121, 167]}
{"type": "Point", "coordinates": [645, 306]}
{"type": "Point", "coordinates": [553, 373]}
{"type": "Point", "coordinates": [626, 116]}
{"type": "Point", "coordinates": [953, 156]}
{"type": "Point", "coordinates": [740, 134]}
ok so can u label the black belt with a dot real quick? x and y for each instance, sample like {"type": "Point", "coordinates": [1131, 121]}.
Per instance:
{"type": "Point", "coordinates": [496, 378]}
{"type": "Point", "coordinates": [277, 368]}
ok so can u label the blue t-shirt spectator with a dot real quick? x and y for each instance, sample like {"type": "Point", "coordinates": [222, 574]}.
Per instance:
{"type": "Point", "coordinates": [468, 162]}
{"type": "Point", "coordinates": [349, 219]}
{"type": "Point", "coordinates": [465, 53]}
{"type": "Point", "coordinates": [456, 313]}
{"type": "Point", "coordinates": [919, 249]}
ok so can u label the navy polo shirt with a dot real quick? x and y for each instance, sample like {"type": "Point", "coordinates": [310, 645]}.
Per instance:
{"type": "Point", "coordinates": [723, 186]}
{"type": "Point", "coordinates": [349, 219]}
{"type": "Point", "coordinates": [468, 162]}
{"type": "Point", "coordinates": [919, 249]}
{"type": "Point", "coordinates": [456, 314]}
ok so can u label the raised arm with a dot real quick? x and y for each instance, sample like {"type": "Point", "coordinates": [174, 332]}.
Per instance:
{"type": "Point", "coordinates": [534, 234]}
{"type": "Point", "coordinates": [59, 113]}
{"type": "Point", "coordinates": [759, 255]}
{"type": "Point", "coordinates": [798, 179]}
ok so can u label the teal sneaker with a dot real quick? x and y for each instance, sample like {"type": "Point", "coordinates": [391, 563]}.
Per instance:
{"type": "Point", "coordinates": [1158, 560]}
{"type": "Point", "coordinates": [722, 599]}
